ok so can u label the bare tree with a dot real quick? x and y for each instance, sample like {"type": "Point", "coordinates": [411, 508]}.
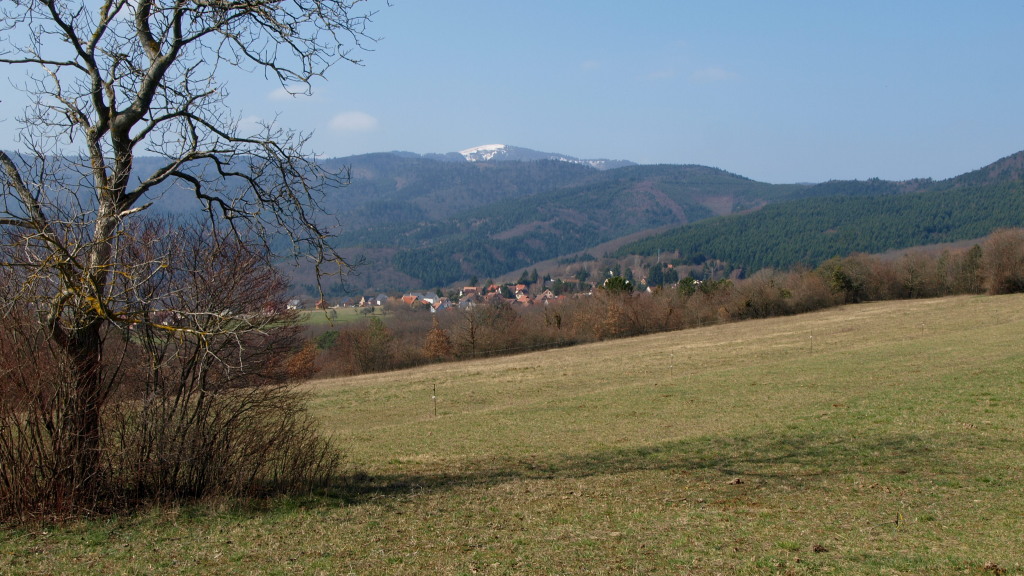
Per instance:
{"type": "Point", "coordinates": [111, 79]}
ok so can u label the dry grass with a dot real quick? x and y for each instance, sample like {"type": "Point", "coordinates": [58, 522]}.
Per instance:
{"type": "Point", "coordinates": [875, 439]}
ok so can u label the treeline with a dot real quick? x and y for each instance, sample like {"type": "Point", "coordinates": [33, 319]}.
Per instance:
{"type": "Point", "coordinates": [812, 230]}
{"type": "Point", "coordinates": [409, 337]}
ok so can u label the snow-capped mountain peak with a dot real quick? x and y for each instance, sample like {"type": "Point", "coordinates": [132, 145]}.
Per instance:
{"type": "Point", "coordinates": [503, 152]}
{"type": "Point", "coordinates": [484, 153]}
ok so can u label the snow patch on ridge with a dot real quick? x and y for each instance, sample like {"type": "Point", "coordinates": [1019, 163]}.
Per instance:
{"type": "Point", "coordinates": [483, 153]}
{"type": "Point", "coordinates": [504, 152]}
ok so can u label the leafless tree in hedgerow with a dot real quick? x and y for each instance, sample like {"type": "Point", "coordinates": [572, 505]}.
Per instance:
{"type": "Point", "coordinates": [110, 83]}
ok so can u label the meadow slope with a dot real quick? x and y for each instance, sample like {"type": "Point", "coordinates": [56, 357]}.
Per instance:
{"type": "Point", "coordinates": [883, 438]}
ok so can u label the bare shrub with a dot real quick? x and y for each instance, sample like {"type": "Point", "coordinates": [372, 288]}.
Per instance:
{"type": "Point", "coordinates": [664, 310]}
{"type": "Point", "coordinates": [218, 414]}
{"type": "Point", "coordinates": [886, 279]}
{"type": "Point", "coordinates": [339, 359]}
{"type": "Point", "coordinates": [487, 329]}
{"type": "Point", "coordinates": [438, 344]}
{"type": "Point", "coordinates": [359, 349]}
{"type": "Point", "coordinates": [809, 292]}
{"type": "Point", "coordinates": [709, 304]}
{"type": "Point", "coordinates": [920, 275]}
{"type": "Point", "coordinates": [960, 271]}
{"type": "Point", "coordinates": [193, 442]}
{"type": "Point", "coordinates": [1002, 262]}
{"type": "Point", "coordinates": [302, 364]}
{"type": "Point", "coordinates": [617, 314]}
{"type": "Point", "coordinates": [372, 347]}
{"type": "Point", "coordinates": [408, 326]}
{"type": "Point", "coordinates": [543, 326]}
{"type": "Point", "coordinates": [198, 395]}
{"type": "Point", "coordinates": [32, 377]}
{"type": "Point", "coordinates": [761, 296]}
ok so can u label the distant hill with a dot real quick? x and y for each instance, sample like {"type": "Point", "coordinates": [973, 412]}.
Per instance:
{"type": "Point", "coordinates": [436, 220]}
{"type": "Point", "coordinates": [430, 223]}
{"type": "Point", "coordinates": [839, 218]}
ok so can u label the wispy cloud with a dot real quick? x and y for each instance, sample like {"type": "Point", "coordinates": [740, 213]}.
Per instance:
{"type": "Point", "coordinates": [590, 65]}
{"type": "Point", "coordinates": [712, 74]}
{"type": "Point", "coordinates": [353, 122]}
{"type": "Point", "coordinates": [290, 92]}
{"type": "Point", "coordinates": [250, 124]}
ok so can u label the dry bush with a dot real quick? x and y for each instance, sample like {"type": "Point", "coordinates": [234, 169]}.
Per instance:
{"type": "Point", "coordinates": [766, 294]}
{"type": "Point", "coordinates": [438, 344]}
{"type": "Point", "coordinates": [407, 326]}
{"type": "Point", "coordinates": [198, 400]}
{"type": "Point", "coordinates": [487, 329]}
{"type": "Point", "coordinates": [960, 271]}
{"type": "Point", "coordinates": [372, 347]}
{"type": "Point", "coordinates": [218, 414]}
{"type": "Point", "coordinates": [809, 292]}
{"type": "Point", "coordinates": [665, 310]}
{"type": "Point", "coordinates": [760, 296]}
{"type": "Point", "coordinates": [339, 359]}
{"type": "Point", "coordinates": [333, 362]}
{"type": "Point", "coordinates": [916, 274]}
{"type": "Point", "coordinates": [920, 275]}
{"type": "Point", "coordinates": [193, 442]}
{"type": "Point", "coordinates": [32, 384]}
{"type": "Point", "coordinates": [619, 314]}
{"type": "Point", "coordinates": [1002, 262]}
{"type": "Point", "coordinates": [359, 349]}
{"type": "Point", "coordinates": [302, 364]}
{"type": "Point", "coordinates": [578, 316]}
{"type": "Point", "coordinates": [710, 303]}
{"type": "Point", "coordinates": [882, 279]}
{"type": "Point", "coordinates": [544, 326]}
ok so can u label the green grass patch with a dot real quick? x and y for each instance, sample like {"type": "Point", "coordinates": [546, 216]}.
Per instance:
{"type": "Point", "coordinates": [873, 439]}
{"type": "Point", "coordinates": [331, 317]}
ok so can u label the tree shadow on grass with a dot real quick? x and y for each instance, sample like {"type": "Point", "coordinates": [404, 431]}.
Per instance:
{"type": "Point", "coordinates": [791, 458]}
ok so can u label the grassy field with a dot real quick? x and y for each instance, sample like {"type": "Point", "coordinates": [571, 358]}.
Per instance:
{"type": "Point", "coordinates": [331, 318]}
{"type": "Point", "coordinates": [874, 439]}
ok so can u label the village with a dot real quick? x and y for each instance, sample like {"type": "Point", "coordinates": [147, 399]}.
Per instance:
{"type": "Point", "coordinates": [529, 290]}
{"type": "Point", "coordinates": [465, 298]}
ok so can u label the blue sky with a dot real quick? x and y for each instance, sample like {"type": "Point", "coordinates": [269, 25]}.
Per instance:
{"type": "Point", "coordinates": [780, 91]}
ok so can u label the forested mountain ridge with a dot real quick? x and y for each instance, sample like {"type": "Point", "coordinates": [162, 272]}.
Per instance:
{"type": "Point", "coordinates": [1004, 170]}
{"type": "Point", "coordinates": [441, 222]}
{"type": "Point", "coordinates": [841, 217]}
{"type": "Point", "coordinates": [423, 222]}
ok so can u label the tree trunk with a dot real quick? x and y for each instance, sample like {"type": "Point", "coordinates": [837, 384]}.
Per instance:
{"type": "Point", "coordinates": [76, 420]}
